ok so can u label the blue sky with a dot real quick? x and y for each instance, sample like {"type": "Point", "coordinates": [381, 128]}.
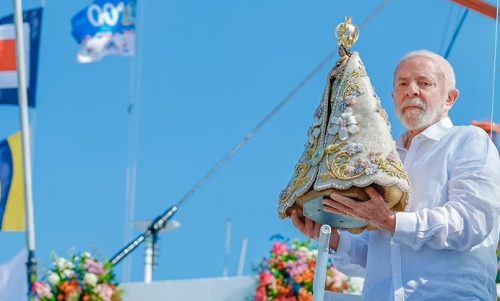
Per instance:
{"type": "Point", "coordinates": [210, 71]}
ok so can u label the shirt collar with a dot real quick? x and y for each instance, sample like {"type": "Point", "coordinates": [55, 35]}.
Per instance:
{"type": "Point", "coordinates": [434, 132]}
{"type": "Point", "coordinates": [438, 129]}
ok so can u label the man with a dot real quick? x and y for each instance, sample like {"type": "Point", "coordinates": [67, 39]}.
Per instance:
{"type": "Point", "coordinates": [443, 247]}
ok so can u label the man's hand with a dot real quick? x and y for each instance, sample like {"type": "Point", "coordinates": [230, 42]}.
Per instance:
{"type": "Point", "coordinates": [374, 211]}
{"type": "Point", "coordinates": [311, 229]}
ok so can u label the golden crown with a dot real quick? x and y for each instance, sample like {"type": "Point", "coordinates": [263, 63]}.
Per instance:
{"type": "Point", "coordinates": [347, 33]}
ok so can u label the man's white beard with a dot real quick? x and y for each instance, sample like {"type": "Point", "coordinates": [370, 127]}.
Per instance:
{"type": "Point", "coordinates": [416, 119]}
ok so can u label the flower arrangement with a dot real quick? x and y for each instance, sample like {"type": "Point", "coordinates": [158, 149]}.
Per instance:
{"type": "Point", "coordinates": [498, 266]}
{"type": "Point", "coordinates": [288, 274]}
{"type": "Point", "coordinates": [497, 280]}
{"type": "Point", "coordinates": [81, 278]}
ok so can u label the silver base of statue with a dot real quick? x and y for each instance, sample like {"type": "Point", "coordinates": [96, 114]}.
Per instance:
{"type": "Point", "coordinates": [313, 209]}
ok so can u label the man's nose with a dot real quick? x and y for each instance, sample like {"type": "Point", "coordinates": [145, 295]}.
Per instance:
{"type": "Point", "coordinates": [412, 90]}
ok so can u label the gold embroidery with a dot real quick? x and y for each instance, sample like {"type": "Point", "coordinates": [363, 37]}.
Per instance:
{"type": "Point", "coordinates": [300, 178]}
{"type": "Point", "coordinates": [391, 168]}
{"type": "Point", "coordinates": [334, 148]}
{"type": "Point", "coordinates": [353, 84]}
{"type": "Point", "coordinates": [338, 165]}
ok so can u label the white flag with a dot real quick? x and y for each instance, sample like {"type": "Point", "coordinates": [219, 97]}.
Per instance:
{"type": "Point", "coordinates": [13, 278]}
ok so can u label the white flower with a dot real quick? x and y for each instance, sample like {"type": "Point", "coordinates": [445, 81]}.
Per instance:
{"type": "Point", "coordinates": [53, 278]}
{"type": "Point", "coordinates": [370, 167]}
{"type": "Point", "coordinates": [314, 134]}
{"type": "Point", "coordinates": [68, 273]}
{"type": "Point", "coordinates": [344, 125]}
{"type": "Point", "coordinates": [62, 263]}
{"type": "Point", "coordinates": [312, 254]}
{"type": "Point", "coordinates": [86, 255]}
{"type": "Point", "coordinates": [90, 279]}
{"type": "Point", "coordinates": [303, 249]}
{"type": "Point", "coordinates": [104, 291]}
{"type": "Point", "coordinates": [353, 148]}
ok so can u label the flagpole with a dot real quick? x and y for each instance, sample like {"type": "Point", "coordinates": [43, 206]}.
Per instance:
{"type": "Point", "coordinates": [133, 111]}
{"type": "Point", "coordinates": [23, 110]}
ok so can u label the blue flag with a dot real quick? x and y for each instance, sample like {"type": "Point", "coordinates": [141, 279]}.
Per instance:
{"type": "Point", "coordinates": [105, 27]}
{"type": "Point", "coordinates": [8, 64]}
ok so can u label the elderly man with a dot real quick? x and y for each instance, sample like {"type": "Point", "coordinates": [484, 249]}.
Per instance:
{"type": "Point", "coordinates": [443, 247]}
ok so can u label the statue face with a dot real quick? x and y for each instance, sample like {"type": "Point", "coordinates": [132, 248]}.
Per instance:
{"type": "Point", "coordinates": [419, 93]}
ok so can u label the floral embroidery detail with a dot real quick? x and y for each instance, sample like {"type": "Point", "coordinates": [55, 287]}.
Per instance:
{"type": "Point", "coordinates": [369, 166]}
{"type": "Point", "coordinates": [313, 134]}
{"type": "Point", "coordinates": [351, 169]}
{"type": "Point", "coordinates": [344, 125]}
{"type": "Point", "coordinates": [353, 148]}
{"type": "Point", "coordinates": [351, 99]}
{"type": "Point", "coordinates": [343, 106]}
{"type": "Point", "coordinates": [358, 169]}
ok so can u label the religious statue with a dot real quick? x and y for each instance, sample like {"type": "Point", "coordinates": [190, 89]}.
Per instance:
{"type": "Point", "coordinates": [349, 146]}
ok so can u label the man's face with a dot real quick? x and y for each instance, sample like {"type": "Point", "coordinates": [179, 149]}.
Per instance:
{"type": "Point", "coordinates": [419, 93]}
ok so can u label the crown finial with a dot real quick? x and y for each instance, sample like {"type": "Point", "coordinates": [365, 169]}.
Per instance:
{"type": "Point", "coordinates": [347, 33]}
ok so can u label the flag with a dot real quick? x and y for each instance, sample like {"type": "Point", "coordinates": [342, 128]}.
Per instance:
{"type": "Point", "coordinates": [32, 21]}
{"type": "Point", "coordinates": [13, 277]}
{"type": "Point", "coordinates": [105, 27]}
{"type": "Point", "coordinates": [11, 184]}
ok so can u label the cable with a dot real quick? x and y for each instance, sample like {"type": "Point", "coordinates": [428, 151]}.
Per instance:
{"type": "Point", "coordinates": [447, 26]}
{"type": "Point", "coordinates": [231, 153]}
{"type": "Point", "coordinates": [494, 72]}
{"type": "Point", "coordinates": [455, 34]}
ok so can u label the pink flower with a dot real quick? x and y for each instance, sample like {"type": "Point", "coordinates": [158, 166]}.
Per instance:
{"type": "Point", "coordinates": [41, 290]}
{"type": "Point", "coordinates": [105, 291]}
{"type": "Point", "coordinates": [266, 278]}
{"type": "Point", "coordinates": [279, 248]}
{"type": "Point", "coordinates": [261, 294]}
{"type": "Point", "coordinates": [94, 267]}
{"type": "Point", "coordinates": [296, 268]}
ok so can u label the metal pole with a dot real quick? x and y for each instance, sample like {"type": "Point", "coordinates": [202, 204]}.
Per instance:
{"type": "Point", "coordinates": [148, 259]}
{"type": "Point", "coordinates": [243, 253]}
{"type": "Point", "coordinates": [25, 134]}
{"type": "Point", "coordinates": [227, 248]}
{"type": "Point", "coordinates": [321, 263]}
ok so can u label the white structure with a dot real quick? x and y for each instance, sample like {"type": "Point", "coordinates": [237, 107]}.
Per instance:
{"type": "Point", "coordinates": [207, 289]}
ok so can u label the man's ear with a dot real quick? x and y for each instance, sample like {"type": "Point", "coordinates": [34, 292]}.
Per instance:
{"type": "Point", "coordinates": [452, 97]}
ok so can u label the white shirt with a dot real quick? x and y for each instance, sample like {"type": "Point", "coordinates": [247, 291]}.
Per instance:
{"type": "Point", "coordinates": [444, 247]}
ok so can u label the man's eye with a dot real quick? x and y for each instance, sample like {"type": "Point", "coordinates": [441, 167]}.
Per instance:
{"type": "Point", "coordinates": [425, 84]}
{"type": "Point", "coordinates": [402, 84]}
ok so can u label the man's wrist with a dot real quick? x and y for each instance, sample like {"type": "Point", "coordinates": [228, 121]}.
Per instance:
{"type": "Point", "coordinates": [391, 223]}
{"type": "Point", "coordinates": [334, 239]}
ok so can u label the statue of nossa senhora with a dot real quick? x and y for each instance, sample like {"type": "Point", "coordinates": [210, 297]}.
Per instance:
{"type": "Point", "coordinates": [349, 146]}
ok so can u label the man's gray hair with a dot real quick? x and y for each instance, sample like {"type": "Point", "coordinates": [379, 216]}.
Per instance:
{"type": "Point", "coordinates": [442, 64]}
